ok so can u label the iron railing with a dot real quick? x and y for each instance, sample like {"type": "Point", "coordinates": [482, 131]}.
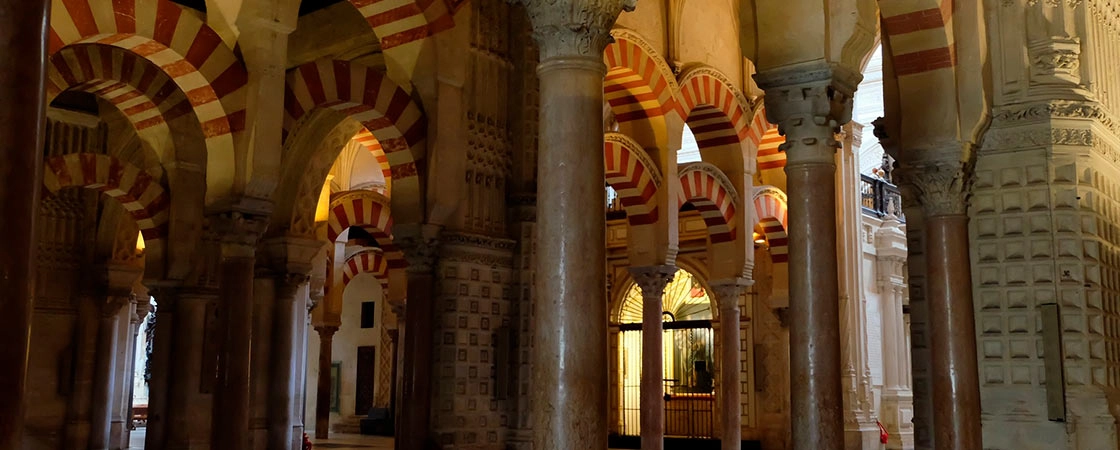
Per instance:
{"type": "Point", "coordinates": [880, 198]}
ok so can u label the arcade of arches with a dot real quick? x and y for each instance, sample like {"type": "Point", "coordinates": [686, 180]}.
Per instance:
{"type": "Point", "coordinates": [560, 224]}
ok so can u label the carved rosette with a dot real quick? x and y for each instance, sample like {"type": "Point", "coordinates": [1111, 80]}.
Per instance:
{"type": "Point", "coordinates": [809, 103]}
{"type": "Point", "coordinates": [941, 188]}
{"type": "Point", "coordinates": [652, 280]}
{"type": "Point", "coordinates": [574, 27]}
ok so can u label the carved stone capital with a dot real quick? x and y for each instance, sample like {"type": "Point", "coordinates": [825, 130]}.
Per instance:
{"type": "Point", "coordinates": [326, 331]}
{"type": "Point", "coordinates": [143, 307]}
{"type": "Point", "coordinates": [809, 102]}
{"type": "Point", "coordinates": [288, 284]}
{"type": "Point", "coordinates": [730, 289]}
{"type": "Point", "coordinates": [398, 308]}
{"type": "Point", "coordinates": [236, 231]}
{"type": "Point", "coordinates": [574, 27]}
{"type": "Point", "coordinates": [313, 299]}
{"type": "Point", "coordinates": [113, 304]}
{"type": "Point", "coordinates": [652, 280]}
{"type": "Point", "coordinates": [420, 245]}
{"type": "Point", "coordinates": [941, 188]}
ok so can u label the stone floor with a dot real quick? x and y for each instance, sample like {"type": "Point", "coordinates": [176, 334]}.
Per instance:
{"type": "Point", "coordinates": [336, 442]}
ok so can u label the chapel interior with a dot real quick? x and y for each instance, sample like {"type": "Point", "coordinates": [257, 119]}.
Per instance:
{"type": "Point", "coordinates": [560, 224]}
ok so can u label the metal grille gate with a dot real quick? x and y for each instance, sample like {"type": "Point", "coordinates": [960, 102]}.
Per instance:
{"type": "Point", "coordinates": [687, 373]}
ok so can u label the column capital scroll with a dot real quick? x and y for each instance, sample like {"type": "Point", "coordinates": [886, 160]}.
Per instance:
{"type": "Point", "coordinates": [729, 289]}
{"type": "Point", "coordinates": [574, 28]}
{"type": "Point", "coordinates": [809, 102]}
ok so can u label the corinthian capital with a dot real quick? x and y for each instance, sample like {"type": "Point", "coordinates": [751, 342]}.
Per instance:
{"type": "Point", "coordinates": [653, 279]}
{"type": "Point", "coordinates": [940, 187]}
{"type": "Point", "coordinates": [574, 27]}
{"type": "Point", "coordinates": [809, 102]}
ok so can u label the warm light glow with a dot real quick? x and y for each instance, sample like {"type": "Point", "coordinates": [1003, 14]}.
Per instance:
{"type": "Point", "coordinates": [758, 239]}
{"type": "Point", "coordinates": [322, 211]}
{"type": "Point", "coordinates": [139, 242]}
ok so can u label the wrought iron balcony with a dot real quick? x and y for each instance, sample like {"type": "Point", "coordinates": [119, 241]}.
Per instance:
{"type": "Point", "coordinates": [880, 198]}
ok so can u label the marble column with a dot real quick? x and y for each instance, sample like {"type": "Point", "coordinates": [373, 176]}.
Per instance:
{"type": "Point", "coordinates": [238, 233]}
{"type": "Point", "coordinates": [190, 364]}
{"type": "Point", "coordinates": [287, 318]}
{"type": "Point", "coordinates": [652, 280]}
{"type": "Point", "coordinates": [323, 392]}
{"type": "Point", "coordinates": [80, 399]}
{"type": "Point", "coordinates": [160, 364]}
{"type": "Point", "coordinates": [419, 246]}
{"type": "Point", "coordinates": [897, 406]}
{"type": "Point", "coordinates": [306, 304]}
{"type": "Point", "coordinates": [401, 311]}
{"type": "Point", "coordinates": [569, 359]}
{"type": "Point", "coordinates": [727, 295]}
{"type": "Point", "coordinates": [104, 372]}
{"type": "Point", "coordinates": [809, 103]}
{"type": "Point", "coordinates": [23, 38]}
{"type": "Point", "coordinates": [941, 188]}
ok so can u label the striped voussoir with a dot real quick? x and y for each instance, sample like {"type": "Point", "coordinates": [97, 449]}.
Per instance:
{"type": "Point", "coordinates": [632, 174]}
{"type": "Point", "coordinates": [367, 261]}
{"type": "Point", "coordinates": [370, 143]}
{"type": "Point", "coordinates": [369, 211]}
{"type": "Point", "coordinates": [400, 22]}
{"type": "Point", "coordinates": [364, 94]}
{"type": "Point", "coordinates": [769, 155]}
{"type": "Point", "coordinates": [712, 194]}
{"type": "Point", "coordinates": [178, 42]}
{"type": "Point", "coordinates": [772, 214]}
{"type": "Point", "coordinates": [638, 85]}
{"type": "Point", "coordinates": [137, 190]}
{"type": "Point", "coordinates": [715, 110]}
{"type": "Point", "coordinates": [920, 34]}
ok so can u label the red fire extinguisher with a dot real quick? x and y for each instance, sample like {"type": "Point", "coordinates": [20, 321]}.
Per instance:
{"type": "Point", "coordinates": [883, 435]}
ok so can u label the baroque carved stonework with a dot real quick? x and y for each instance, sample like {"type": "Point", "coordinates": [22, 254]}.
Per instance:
{"type": "Point", "coordinates": [809, 102]}
{"type": "Point", "coordinates": [1058, 109]}
{"type": "Point", "coordinates": [941, 187]}
{"type": "Point", "coordinates": [477, 249]}
{"type": "Point", "coordinates": [574, 27]}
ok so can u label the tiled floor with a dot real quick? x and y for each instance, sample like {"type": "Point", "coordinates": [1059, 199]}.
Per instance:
{"type": "Point", "coordinates": [336, 442]}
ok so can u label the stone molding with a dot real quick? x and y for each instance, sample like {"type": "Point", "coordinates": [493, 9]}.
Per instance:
{"type": "Point", "coordinates": [1057, 109]}
{"type": "Point", "coordinates": [565, 28]}
{"type": "Point", "coordinates": [652, 280]}
{"type": "Point", "coordinates": [477, 249]}
{"type": "Point", "coordinates": [941, 187]}
{"type": "Point", "coordinates": [237, 232]}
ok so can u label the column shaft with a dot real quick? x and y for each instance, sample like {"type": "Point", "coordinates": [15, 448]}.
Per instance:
{"type": "Point", "coordinates": [231, 405]}
{"type": "Point", "coordinates": [23, 38]}
{"type": "Point", "coordinates": [570, 314]}
{"type": "Point", "coordinates": [652, 280]}
{"type": "Point", "coordinates": [190, 402]}
{"type": "Point", "coordinates": [417, 383]}
{"type": "Point", "coordinates": [160, 364]}
{"type": "Point", "coordinates": [955, 383]}
{"type": "Point", "coordinates": [727, 295]}
{"type": "Point", "coordinates": [816, 396]}
{"type": "Point", "coordinates": [287, 318]}
{"type": "Point", "coordinates": [323, 393]}
{"type": "Point", "coordinates": [103, 381]}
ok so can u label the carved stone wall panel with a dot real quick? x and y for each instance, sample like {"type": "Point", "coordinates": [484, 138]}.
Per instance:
{"type": "Point", "coordinates": [1043, 231]}
{"type": "Point", "coordinates": [473, 312]}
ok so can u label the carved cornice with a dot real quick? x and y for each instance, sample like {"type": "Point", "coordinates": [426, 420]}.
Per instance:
{"type": "Point", "coordinates": [1014, 115]}
{"type": "Point", "coordinates": [652, 280]}
{"type": "Point", "coordinates": [941, 187]}
{"type": "Point", "coordinates": [477, 249]}
{"type": "Point", "coordinates": [574, 27]}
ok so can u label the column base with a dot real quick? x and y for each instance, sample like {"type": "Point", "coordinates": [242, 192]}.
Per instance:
{"type": "Point", "coordinates": [897, 415]}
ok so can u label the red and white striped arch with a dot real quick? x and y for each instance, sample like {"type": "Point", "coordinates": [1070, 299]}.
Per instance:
{"type": "Point", "coordinates": [138, 191]}
{"type": "Point", "coordinates": [369, 211]}
{"type": "Point", "coordinates": [715, 110]}
{"type": "Point", "coordinates": [400, 22]}
{"type": "Point", "coordinates": [639, 84]}
{"type": "Point", "coordinates": [770, 156]}
{"type": "Point", "coordinates": [178, 42]}
{"type": "Point", "coordinates": [632, 173]}
{"type": "Point", "coordinates": [370, 143]}
{"type": "Point", "coordinates": [772, 214]}
{"type": "Point", "coordinates": [142, 92]}
{"type": "Point", "coordinates": [920, 35]}
{"type": "Point", "coordinates": [367, 261]}
{"type": "Point", "coordinates": [707, 188]}
{"type": "Point", "coordinates": [364, 94]}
